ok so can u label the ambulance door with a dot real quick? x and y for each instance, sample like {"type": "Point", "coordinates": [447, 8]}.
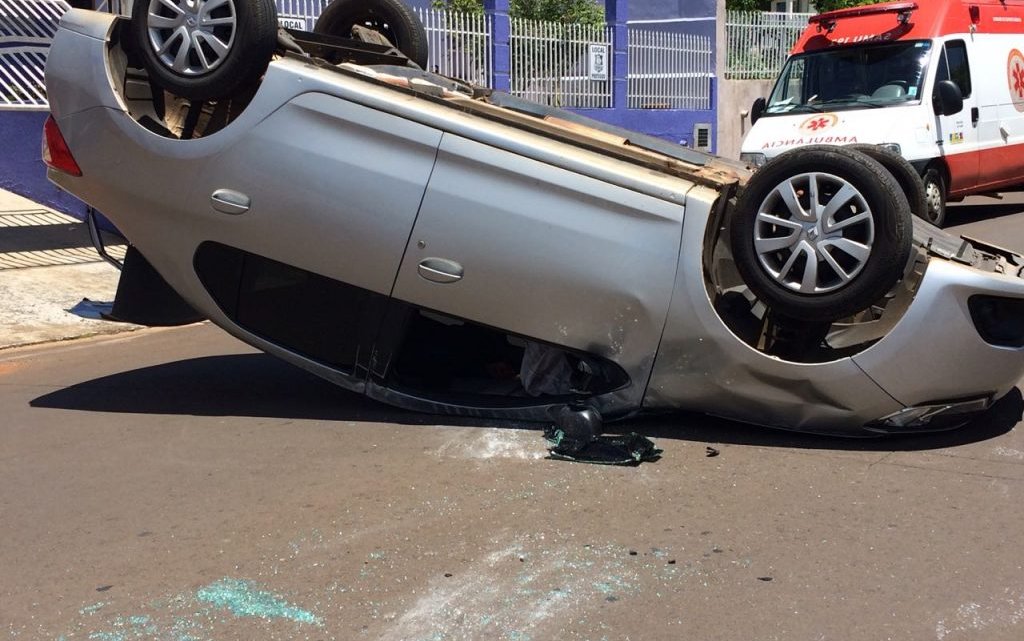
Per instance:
{"type": "Point", "coordinates": [958, 133]}
{"type": "Point", "coordinates": [1001, 99]}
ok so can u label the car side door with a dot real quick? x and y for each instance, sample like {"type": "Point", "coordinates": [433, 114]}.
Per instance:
{"type": "Point", "coordinates": [546, 253]}
{"type": "Point", "coordinates": [957, 134]}
{"type": "Point", "coordinates": [331, 190]}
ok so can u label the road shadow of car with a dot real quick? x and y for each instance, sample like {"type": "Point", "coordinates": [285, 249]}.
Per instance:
{"type": "Point", "coordinates": [255, 385]}
{"type": "Point", "coordinates": [259, 385]}
{"type": "Point", "coordinates": [998, 420]}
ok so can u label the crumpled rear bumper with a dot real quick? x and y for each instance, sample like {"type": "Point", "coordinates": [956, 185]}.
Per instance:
{"type": "Point", "coordinates": [936, 354]}
{"type": "Point", "coordinates": [930, 354]}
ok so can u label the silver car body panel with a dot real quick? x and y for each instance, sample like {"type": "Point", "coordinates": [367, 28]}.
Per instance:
{"type": "Point", "coordinates": [318, 118]}
{"type": "Point", "coordinates": [702, 365]}
{"type": "Point", "coordinates": [79, 86]}
{"type": "Point", "coordinates": [918, 363]}
{"type": "Point", "coordinates": [558, 242]}
{"type": "Point", "coordinates": [603, 257]}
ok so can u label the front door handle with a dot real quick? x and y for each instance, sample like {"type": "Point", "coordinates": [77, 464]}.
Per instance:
{"type": "Point", "coordinates": [975, 116]}
{"type": "Point", "coordinates": [440, 270]}
{"type": "Point", "coordinates": [229, 201]}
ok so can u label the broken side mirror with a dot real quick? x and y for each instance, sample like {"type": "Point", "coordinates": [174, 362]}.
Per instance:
{"type": "Point", "coordinates": [756, 110]}
{"type": "Point", "coordinates": [947, 99]}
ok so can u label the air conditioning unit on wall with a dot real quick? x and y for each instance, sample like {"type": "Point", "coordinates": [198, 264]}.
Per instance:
{"type": "Point", "coordinates": [702, 136]}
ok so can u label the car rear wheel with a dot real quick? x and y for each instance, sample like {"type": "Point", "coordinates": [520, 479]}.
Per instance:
{"type": "Point", "coordinates": [205, 49]}
{"type": "Point", "coordinates": [935, 194]}
{"type": "Point", "coordinates": [821, 233]}
{"type": "Point", "coordinates": [903, 172]}
{"type": "Point", "coordinates": [390, 18]}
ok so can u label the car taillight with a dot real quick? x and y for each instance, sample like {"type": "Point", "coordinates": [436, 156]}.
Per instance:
{"type": "Point", "coordinates": [55, 151]}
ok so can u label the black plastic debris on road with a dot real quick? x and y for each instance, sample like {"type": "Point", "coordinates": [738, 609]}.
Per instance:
{"type": "Point", "coordinates": [605, 449]}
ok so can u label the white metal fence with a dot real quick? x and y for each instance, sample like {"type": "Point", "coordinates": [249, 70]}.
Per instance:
{"type": "Point", "coordinates": [26, 30]}
{"type": "Point", "coordinates": [669, 70]}
{"type": "Point", "coordinates": [758, 42]}
{"type": "Point", "coordinates": [299, 14]}
{"type": "Point", "coordinates": [459, 44]}
{"type": "Point", "coordinates": [562, 65]}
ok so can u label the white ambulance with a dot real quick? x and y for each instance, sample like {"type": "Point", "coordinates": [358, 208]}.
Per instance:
{"type": "Point", "coordinates": [941, 82]}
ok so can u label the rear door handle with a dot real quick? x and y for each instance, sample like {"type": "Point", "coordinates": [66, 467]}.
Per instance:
{"type": "Point", "coordinates": [975, 116]}
{"type": "Point", "coordinates": [440, 270]}
{"type": "Point", "coordinates": [229, 201]}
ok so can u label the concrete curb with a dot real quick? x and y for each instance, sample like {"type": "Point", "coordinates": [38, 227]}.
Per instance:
{"type": "Point", "coordinates": [34, 303]}
{"type": "Point", "coordinates": [34, 300]}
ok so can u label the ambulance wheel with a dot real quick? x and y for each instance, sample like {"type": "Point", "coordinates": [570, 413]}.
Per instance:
{"type": "Point", "coordinates": [935, 194]}
{"type": "Point", "coordinates": [820, 233]}
{"type": "Point", "coordinates": [205, 49]}
{"type": "Point", "coordinates": [391, 18]}
{"type": "Point", "coordinates": [903, 172]}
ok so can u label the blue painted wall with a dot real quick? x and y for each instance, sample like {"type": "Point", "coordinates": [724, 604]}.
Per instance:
{"type": "Point", "coordinates": [676, 16]}
{"type": "Point", "coordinates": [683, 16]}
{"type": "Point", "coordinates": [644, 9]}
{"type": "Point", "coordinates": [21, 166]}
{"type": "Point", "coordinates": [695, 17]}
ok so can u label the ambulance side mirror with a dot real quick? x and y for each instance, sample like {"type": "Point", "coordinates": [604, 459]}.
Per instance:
{"type": "Point", "coordinates": [757, 109]}
{"type": "Point", "coordinates": [947, 99]}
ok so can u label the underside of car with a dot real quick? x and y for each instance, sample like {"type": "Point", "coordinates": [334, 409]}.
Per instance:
{"type": "Point", "coordinates": [781, 295]}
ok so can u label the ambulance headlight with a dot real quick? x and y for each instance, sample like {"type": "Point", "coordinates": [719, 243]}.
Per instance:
{"type": "Point", "coordinates": [893, 147]}
{"type": "Point", "coordinates": [753, 159]}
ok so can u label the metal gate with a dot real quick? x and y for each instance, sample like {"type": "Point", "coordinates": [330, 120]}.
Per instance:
{"type": "Point", "coordinates": [562, 65]}
{"type": "Point", "coordinates": [460, 44]}
{"type": "Point", "coordinates": [26, 31]}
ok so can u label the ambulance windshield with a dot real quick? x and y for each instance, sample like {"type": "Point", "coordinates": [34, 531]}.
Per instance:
{"type": "Point", "coordinates": [860, 77]}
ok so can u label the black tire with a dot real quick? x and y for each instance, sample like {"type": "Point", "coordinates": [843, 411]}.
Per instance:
{"type": "Point", "coordinates": [882, 237]}
{"type": "Point", "coordinates": [935, 196]}
{"type": "Point", "coordinates": [202, 72]}
{"type": "Point", "coordinates": [903, 172]}
{"type": "Point", "coordinates": [391, 18]}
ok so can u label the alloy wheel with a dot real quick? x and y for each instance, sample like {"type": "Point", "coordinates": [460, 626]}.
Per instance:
{"type": "Point", "coordinates": [191, 37]}
{"type": "Point", "coordinates": [814, 233]}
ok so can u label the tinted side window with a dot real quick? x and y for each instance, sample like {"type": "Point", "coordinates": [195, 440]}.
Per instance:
{"type": "Point", "coordinates": [323, 319]}
{"type": "Point", "coordinates": [953, 65]}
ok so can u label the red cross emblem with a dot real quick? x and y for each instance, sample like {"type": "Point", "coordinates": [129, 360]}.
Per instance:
{"type": "Point", "coordinates": [817, 123]}
{"type": "Point", "coordinates": [1015, 78]}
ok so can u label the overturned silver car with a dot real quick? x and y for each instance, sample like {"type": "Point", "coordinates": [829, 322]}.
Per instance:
{"type": "Point", "coordinates": [450, 249]}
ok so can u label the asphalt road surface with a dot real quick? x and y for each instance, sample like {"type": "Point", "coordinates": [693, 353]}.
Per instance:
{"type": "Point", "coordinates": [174, 485]}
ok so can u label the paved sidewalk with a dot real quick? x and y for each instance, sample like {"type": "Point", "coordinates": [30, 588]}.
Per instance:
{"type": "Point", "coordinates": [47, 266]}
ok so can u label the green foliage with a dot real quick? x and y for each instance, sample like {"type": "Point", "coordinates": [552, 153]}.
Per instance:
{"type": "Point", "coordinates": [545, 60]}
{"type": "Point", "coordinates": [465, 6]}
{"type": "Point", "coordinates": [569, 11]}
{"type": "Point", "coordinates": [747, 5]}
{"type": "Point", "coordinates": [821, 5]}
{"type": "Point", "coordinates": [831, 5]}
